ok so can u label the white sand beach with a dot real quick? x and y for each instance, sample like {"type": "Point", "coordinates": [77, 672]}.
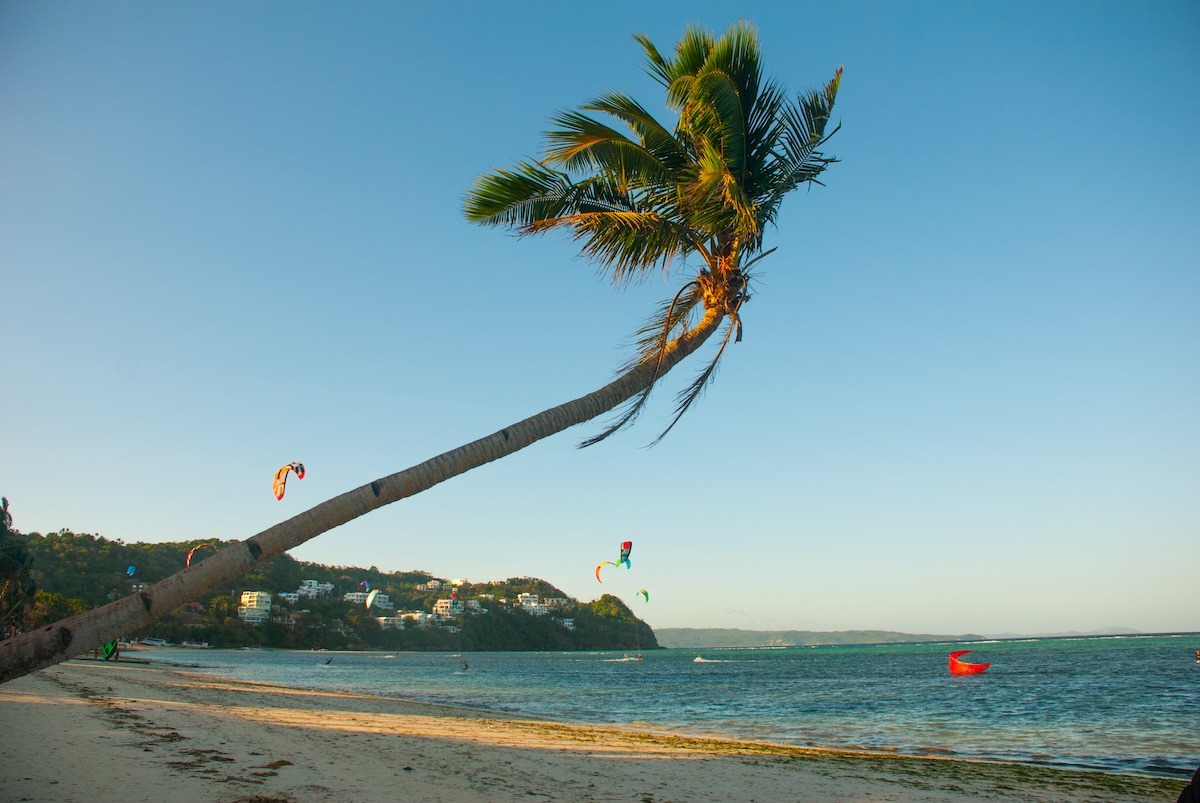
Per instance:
{"type": "Point", "coordinates": [93, 731]}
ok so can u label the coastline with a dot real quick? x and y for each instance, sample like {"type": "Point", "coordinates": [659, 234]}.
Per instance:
{"type": "Point", "coordinates": [130, 732]}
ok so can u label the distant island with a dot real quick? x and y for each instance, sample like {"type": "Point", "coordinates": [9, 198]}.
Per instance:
{"type": "Point", "coordinates": [711, 637]}
{"type": "Point", "coordinates": [728, 638]}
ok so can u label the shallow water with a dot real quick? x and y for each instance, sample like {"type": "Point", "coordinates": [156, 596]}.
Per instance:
{"type": "Point", "coordinates": [1129, 703]}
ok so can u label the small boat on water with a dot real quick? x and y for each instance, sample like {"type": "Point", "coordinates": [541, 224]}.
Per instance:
{"type": "Point", "coordinates": [199, 645]}
{"type": "Point", "coordinates": [155, 642]}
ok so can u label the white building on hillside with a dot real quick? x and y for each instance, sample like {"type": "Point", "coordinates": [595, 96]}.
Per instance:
{"type": "Point", "coordinates": [529, 603]}
{"type": "Point", "coordinates": [447, 607]}
{"type": "Point", "coordinates": [360, 598]}
{"type": "Point", "coordinates": [255, 607]}
{"type": "Point", "coordinates": [314, 590]}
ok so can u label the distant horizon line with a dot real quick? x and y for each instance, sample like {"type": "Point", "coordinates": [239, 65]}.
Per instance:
{"type": "Point", "coordinates": [1110, 632]}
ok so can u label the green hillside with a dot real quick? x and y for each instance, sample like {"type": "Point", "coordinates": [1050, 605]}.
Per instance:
{"type": "Point", "coordinates": [76, 572]}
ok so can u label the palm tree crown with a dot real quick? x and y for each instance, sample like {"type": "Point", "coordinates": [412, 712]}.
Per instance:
{"type": "Point", "coordinates": [647, 197]}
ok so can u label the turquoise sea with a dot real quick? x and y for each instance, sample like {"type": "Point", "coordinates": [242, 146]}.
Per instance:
{"type": "Point", "coordinates": [1127, 703]}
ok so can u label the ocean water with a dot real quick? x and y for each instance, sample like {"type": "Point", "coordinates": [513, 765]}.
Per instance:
{"type": "Point", "coordinates": [1127, 704]}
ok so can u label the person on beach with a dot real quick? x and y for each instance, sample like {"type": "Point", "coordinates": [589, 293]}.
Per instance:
{"type": "Point", "coordinates": [1191, 792]}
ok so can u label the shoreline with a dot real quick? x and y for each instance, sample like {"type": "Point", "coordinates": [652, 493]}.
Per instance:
{"type": "Point", "coordinates": [104, 731]}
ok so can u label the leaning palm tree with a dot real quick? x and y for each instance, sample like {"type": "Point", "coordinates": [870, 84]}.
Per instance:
{"type": "Point", "coordinates": [639, 196]}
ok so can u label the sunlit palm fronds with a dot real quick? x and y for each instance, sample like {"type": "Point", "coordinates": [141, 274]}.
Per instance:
{"type": "Point", "coordinates": [639, 196]}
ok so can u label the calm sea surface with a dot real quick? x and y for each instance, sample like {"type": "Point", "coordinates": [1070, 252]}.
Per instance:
{"type": "Point", "coordinates": [1129, 704]}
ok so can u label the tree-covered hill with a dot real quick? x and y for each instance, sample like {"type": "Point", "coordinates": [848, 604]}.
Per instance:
{"type": "Point", "coordinates": [74, 572]}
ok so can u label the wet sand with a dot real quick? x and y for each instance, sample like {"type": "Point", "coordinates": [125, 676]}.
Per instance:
{"type": "Point", "coordinates": [93, 731]}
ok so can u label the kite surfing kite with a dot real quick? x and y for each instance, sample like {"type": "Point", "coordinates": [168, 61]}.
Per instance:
{"type": "Point", "coordinates": [623, 560]}
{"type": "Point", "coordinates": [131, 570]}
{"type": "Point", "coordinates": [364, 586]}
{"type": "Point", "coordinates": [110, 651]}
{"type": "Point", "coordinates": [281, 477]}
{"type": "Point", "coordinates": [644, 594]}
{"type": "Point", "coordinates": [371, 597]}
{"type": "Point", "coordinates": [958, 667]}
{"type": "Point", "coordinates": [188, 563]}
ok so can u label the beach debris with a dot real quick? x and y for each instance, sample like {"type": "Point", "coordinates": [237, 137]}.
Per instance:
{"type": "Point", "coordinates": [187, 564]}
{"type": "Point", "coordinates": [958, 667]}
{"type": "Point", "coordinates": [281, 477]}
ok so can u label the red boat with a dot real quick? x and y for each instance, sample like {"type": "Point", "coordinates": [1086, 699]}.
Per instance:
{"type": "Point", "coordinates": [958, 667]}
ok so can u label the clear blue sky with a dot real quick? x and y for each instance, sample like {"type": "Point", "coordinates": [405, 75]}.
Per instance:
{"type": "Point", "coordinates": [968, 397]}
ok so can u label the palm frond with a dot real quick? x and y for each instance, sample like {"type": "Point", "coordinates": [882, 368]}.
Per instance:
{"type": "Point", "coordinates": [652, 342]}
{"type": "Point", "coordinates": [689, 395]}
{"type": "Point", "coordinates": [804, 132]}
{"type": "Point", "coordinates": [656, 65]}
{"type": "Point", "coordinates": [654, 137]}
{"type": "Point", "coordinates": [518, 197]}
{"type": "Point", "coordinates": [582, 144]}
{"type": "Point", "coordinates": [628, 242]}
{"type": "Point", "coordinates": [737, 55]}
{"type": "Point", "coordinates": [717, 94]}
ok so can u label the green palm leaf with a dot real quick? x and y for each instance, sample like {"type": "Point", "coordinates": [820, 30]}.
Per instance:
{"type": "Point", "coordinates": [638, 196]}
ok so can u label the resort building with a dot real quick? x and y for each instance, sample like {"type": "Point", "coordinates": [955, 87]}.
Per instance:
{"type": "Point", "coordinates": [255, 607]}
{"type": "Point", "coordinates": [291, 597]}
{"type": "Point", "coordinates": [360, 598]}
{"type": "Point", "coordinates": [529, 603]}
{"type": "Point", "coordinates": [444, 608]}
{"type": "Point", "coordinates": [314, 590]}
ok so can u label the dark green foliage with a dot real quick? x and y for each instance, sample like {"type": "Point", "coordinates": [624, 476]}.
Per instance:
{"type": "Point", "coordinates": [17, 586]}
{"type": "Point", "coordinates": [82, 571]}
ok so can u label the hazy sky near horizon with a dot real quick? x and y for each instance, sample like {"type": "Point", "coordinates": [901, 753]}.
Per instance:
{"type": "Point", "coordinates": [231, 236]}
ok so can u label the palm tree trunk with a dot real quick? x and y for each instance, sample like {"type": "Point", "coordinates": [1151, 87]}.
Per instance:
{"type": "Point", "coordinates": [78, 634]}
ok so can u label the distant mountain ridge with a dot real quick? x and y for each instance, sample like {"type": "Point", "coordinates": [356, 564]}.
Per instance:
{"type": "Point", "coordinates": [1103, 631]}
{"type": "Point", "coordinates": [720, 637]}
{"type": "Point", "coordinates": [680, 637]}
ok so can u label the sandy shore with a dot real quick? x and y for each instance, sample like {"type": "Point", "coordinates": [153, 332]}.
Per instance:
{"type": "Point", "coordinates": [90, 731]}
